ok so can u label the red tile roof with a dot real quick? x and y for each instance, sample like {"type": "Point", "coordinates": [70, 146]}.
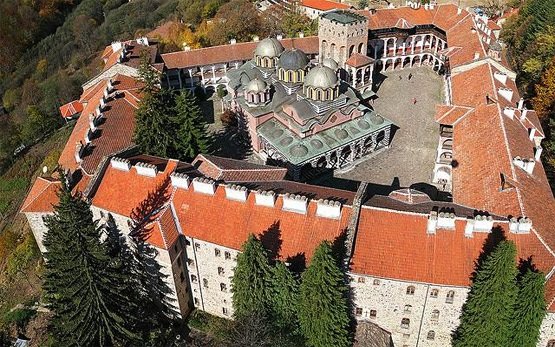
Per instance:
{"type": "Point", "coordinates": [233, 170]}
{"type": "Point", "coordinates": [132, 56]}
{"type": "Point", "coordinates": [221, 221]}
{"type": "Point", "coordinates": [42, 196]}
{"type": "Point", "coordinates": [71, 109]}
{"type": "Point", "coordinates": [359, 60]}
{"type": "Point", "coordinates": [115, 132]}
{"type": "Point", "coordinates": [324, 5]}
{"type": "Point", "coordinates": [228, 53]}
{"type": "Point", "coordinates": [451, 115]}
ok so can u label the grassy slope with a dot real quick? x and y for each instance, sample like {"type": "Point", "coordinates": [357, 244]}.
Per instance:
{"type": "Point", "coordinates": [20, 260]}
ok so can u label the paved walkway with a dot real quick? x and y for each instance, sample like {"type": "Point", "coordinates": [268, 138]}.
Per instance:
{"type": "Point", "coordinates": [411, 156]}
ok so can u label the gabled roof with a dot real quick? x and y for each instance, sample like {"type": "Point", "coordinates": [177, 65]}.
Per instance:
{"type": "Point", "coordinates": [42, 196]}
{"type": "Point", "coordinates": [359, 60]}
{"type": "Point", "coordinates": [324, 5]}
{"type": "Point", "coordinates": [233, 170]}
{"type": "Point", "coordinates": [71, 109]}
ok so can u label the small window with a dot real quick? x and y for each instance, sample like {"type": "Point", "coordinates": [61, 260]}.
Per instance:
{"type": "Point", "coordinates": [450, 297]}
{"type": "Point", "coordinates": [197, 246]}
{"type": "Point", "coordinates": [193, 278]}
{"type": "Point", "coordinates": [227, 255]}
{"type": "Point", "coordinates": [358, 311]}
{"type": "Point", "coordinates": [405, 323]}
{"type": "Point", "coordinates": [190, 262]}
{"type": "Point", "coordinates": [361, 280]}
{"type": "Point", "coordinates": [223, 287]}
{"type": "Point", "coordinates": [196, 301]}
{"type": "Point", "coordinates": [410, 290]}
{"type": "Point", "coordinates": [431, 335]}
{"type": "Point", "coordinates": [408, 308]}
{"type": "Point", "coordinates": [221, 271]}
{"type": "Point", "coordinates": [376, 282]}
{"type": "Point", "coordinates": [373, 314]}
{"type": "Point", "coordinates": [435, 315]}
{"type": "Point", "coordinates": [217, 252]}
{"type": "Point", "coordinates": [434, 293]}
{"type": "Point", "coordinates": [224, 311]}
{"type": "Point", "coordinates": [205, 283]}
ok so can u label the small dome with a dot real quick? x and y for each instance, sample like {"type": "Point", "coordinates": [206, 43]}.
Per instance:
{"type": "Point", "coordinates": [286, 141]}
{"type": "Point", "coordinates": [293, 59]}
{"type": "Point", "coordinates": [316, 143]}
{"type": "Point", "coordinates": [277, 133]}
{"type": "Point", "coordinates": [341, 134]}
{"type": "Point", "coordinates": [298, 151]}
{"type": "Point", "coordinates": [269, 47]}
{"type": "Point", "coordinates": [363, 124]}
{"type": "Point", "coordinates": [329, 62]}
{"type": "Point", "coordinates": [376, 119]}
{"type": "Point", "coordinates": [321, 77]}
{"type": "Point", "coordinates": [256, 85]}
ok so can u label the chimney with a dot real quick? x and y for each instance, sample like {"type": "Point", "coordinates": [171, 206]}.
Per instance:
{"type": "Point", "coordinates": [204, 185]}
{"type": "Point", "coordinates": [279, 37]}
{"type": "Point", "coordinates": [110, 85]}
{"type": "Point", "coordinates": [120, 164]}
{"type": "Point", "coordinates": [459, 10]}
{"type": "Point", "coordinates": [79, 152]}
{"type": "Point", "coordinates": [98, 111]}
{"type": "Point", "coordinates": [88, 136]}
{"type": "Point", "coordinates": [264, 198]}
{"type": "Point", "coordinates": [301, 34]}
{"type": "Point", "coordinates": [476, 55]}
{"type": "Point", "coordinates": [255, 38]}
{"type": "Point", "coordinates": [92, 122]}
{"type": "Point", "coordinates": [520, 104]}
{"type": "Point", "coordinates": [116, 46]}
{"type": "Point", "coordinates": [328, 209]}
{"type": "Point", "coordinates": [532, 133]}
{"type": "Point", "coordinates": [143, 41]}
{"type": "Point", "coordinates": [145, 169]}
{"type": "Point", "coordinates": [106, 93]}
{"type": "Point", "coordinates": [236, 192]}
{"type": "Point", "coordinates": [483, 223]}
{"type": "Point", "coordinates": [500, 76]}
{"type": "Point", "coordinates": [538, 152]}
{"type": "Point", "coordinates": [469, 228]}
{"type": "Point", "coordinates": [509, 112]}
{"type": "Point", "coordinates": [432, 223]}
{"type": "Point", "coordinates": [446, 220]}
{"type": "Point", "coordinates": [523, 114]}
{"type": "Point", "coordinates": [520, 226]}
{"type": "Point", "coordinates": [507, 93]}
{"type": "Point", "coordinates": [180, 180]}
{"type": "Point", "coordinates": [102, 103]}
{"type": "Point", "coordinates": [232, 41]}
{"type": "Point", "coordinates": [295, 203]}
{"type": "Point", "coordinates": [525, 164]}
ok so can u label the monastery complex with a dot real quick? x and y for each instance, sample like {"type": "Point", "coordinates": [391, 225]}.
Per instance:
{"type": "Point", "coordinates": [306, 103]}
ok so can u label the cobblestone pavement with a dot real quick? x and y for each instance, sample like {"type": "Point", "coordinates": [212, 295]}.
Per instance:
{"type": "Point", "coordinates": [410, 159]}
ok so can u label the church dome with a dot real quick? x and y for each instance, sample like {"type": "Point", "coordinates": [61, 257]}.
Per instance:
{"type": "Point", "coordinates": [298, 151]}
{"type": "Point", "coordinates": [269, 47]}
{"type": "Point", "coordinates": [293, 59]}
{"type": "Point", "coordinates": [329, 62]}
{"type": "Point", "coordinates": [256, 86]}
{"type": "Point", "coordinates": [321, 77]}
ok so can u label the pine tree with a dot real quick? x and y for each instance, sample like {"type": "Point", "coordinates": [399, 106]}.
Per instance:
{"type": "Point", "coordinates": [284, 295]}
{"type": "Point", "coordinates": [192, 134]}
{"type": "Point", "coordinates": [89, 308]}
{"type": "Point", "coordinates": [251, 279]}
{"type": "Point", "coordinates": [323, 306]}
{"type": "Point", "coordinates": [487, 313]}
{"type": "Point", "coordinates": [529, 309]}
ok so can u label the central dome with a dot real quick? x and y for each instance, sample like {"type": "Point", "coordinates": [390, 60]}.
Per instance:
{"type": "Point", "coordinates": [269, 47]}
{"type": "Point", "coordinates": [321, 77]}
{"type": "Point", "coordinates": [256, 86]}
{"type": "Point", "coordinates": [293, 59]}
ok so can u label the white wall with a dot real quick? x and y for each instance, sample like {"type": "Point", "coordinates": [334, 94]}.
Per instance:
{"type": "Point", "coordinates": [38, 227]}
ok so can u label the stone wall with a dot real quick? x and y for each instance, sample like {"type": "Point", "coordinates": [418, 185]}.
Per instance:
{"type": "Point", "coordinates": [392, 302]}
{"type": "Point", "coordinates": [211, 268]}
{"type": "Point", "coordinates": [338, 41]}
{"type": "Point", "coordinates": [38, 227]}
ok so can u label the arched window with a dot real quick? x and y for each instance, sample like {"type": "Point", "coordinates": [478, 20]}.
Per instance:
{"type": "Point", "coordinates": [205, 283]}
{"type": "Point", "coordinates": [373, 314]}
{"type": "Point", "coordinates": [405, 323]}
{"type": "Point", "coordinates": [410, 290]}
{"type": "Point", "coordinates": [376, 282]}
{"type": "Point", "coordinates": [435, 315]}
{"type": "Point", "coordinates": [408, 308]}
{"type": "Point", "coordinates": [450, 297]}
{"type": "Point", "coordinates": [434, 293]}
{"type": "Point", "coordinates": [221, 271]}
{"type": "Point", "coordinates": [318, 94]}
{"type": "Point", "coordinates": [289, 76]}
{"type": "Point", "coordinates": [193, 278]}
{"type": "Point", "coordinates": [223, 287]}
{"type": "Point", "coordinates": [361, 280]}
{"type": "Point", "coordinates": [361, 48]}
{"type": "Point", "coordinates": [431, 335]}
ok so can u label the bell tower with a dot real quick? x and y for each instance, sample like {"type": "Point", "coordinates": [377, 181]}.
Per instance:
{"type": "Point", "coordinates": [342, 33]}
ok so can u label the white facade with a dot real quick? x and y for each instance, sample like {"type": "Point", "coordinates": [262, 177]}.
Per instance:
{"type": "Point", "coordinates": [38, 227]}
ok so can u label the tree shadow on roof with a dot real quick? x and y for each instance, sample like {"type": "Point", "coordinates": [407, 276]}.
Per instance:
{"type": "Point", "coordinates": [271, 239]}
{"type": "Point", "coordinates": [493, 239]}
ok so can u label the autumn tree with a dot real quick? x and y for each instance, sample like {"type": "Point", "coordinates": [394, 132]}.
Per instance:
{"type": "Point", "coordinates": [237, 19]}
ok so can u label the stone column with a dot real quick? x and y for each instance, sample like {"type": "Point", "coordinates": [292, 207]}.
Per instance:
{"type": "Point", "coordinates": [412, 45]}
{"type": "Point", "coordinates": [404, 47]}
{"type": "Point", "coordinates": [387, 134]}
{"type": "Point", "coordinates": [328, 158]}
{"type": "Point", "coordinates": [352, 156]}
{"type": "Point", "coordinates": [168, 80]}
{"type": "Point", "coordinates": [362, 76]}
{"type": "Point", "coordinates": [202, 75]}
{"type": "Point", "coordinates": [354, 77]}
{"type": "Point", "coordinates": [225, 68]}
{"type": "Point", "coordinates": [385, 47]}
{"type": "Point", "coordinates": [213, 73]}
{"type": "Point", "coordinates": [179, 78]}
{"type": "Point", "coordinates": [394, 46]}
{"type": "Point", "coordinates": [191, 77]}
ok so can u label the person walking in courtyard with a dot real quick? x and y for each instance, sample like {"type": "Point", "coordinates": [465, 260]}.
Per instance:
{"type": "Point", "coordinates": [414, 101]}
{"type": "Point", "coordinates": [400, 78]}
{"type": "Point", "coordinates": [410, 76]}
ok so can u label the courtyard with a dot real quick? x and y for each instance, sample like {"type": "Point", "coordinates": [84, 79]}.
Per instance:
{"type": "Point", "coordinates": [410, 159]}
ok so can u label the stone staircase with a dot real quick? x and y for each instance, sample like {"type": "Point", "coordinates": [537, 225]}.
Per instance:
{"type": "Point", "coordinates": [353, 223]}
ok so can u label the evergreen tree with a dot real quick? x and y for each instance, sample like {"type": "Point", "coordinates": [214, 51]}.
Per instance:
{"type": "Point", "coordinates": [89, 306]}
{"type": "Point", "coordinates": [251, 279]}
{"type": "Point", "coordinates": [323, 306]}
{"type": "Point", "coordinates": [529, 309]}
{"type": "Point", "coordinates": [487, 313]}
{"type": "Point", "coordinates": [191, 127]}
{"type": "Point", "coordinates": [284, 295]}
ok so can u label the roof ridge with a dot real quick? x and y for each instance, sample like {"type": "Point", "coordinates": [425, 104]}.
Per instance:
{"type": "Point", "coordinates": [37, 195]}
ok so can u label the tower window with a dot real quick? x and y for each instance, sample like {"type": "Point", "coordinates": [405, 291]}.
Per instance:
{"type": "Point", "coordinates": [227, 255]}
{"type": "Point", "coordinates": [217, 252]}
{"type": "Point", "coordinates": [435, 315]}
{"type": "Point", "coordinates": [434, 293]}
{"type": "Point", "coordinates": [205, 283]}
{"type": "Point", "coordinates": [361, 280]}
{"type": "Point", "coordinates": [358, 311]}
{"type": "Point", "coordinates": [376, 282]}
{"type": "Point", "coordinates": [405, 323]}
{"type": "Point", "coordinates": [450, 297]}
{"type": "Point", "coordinates": [373, 314]}
{"type": "Point", "coordinates": [408, 308]}
{"type": "Point", "coordinates": [223, 287]}
{"type": "Point", "coordinates": [431, 335]}
{"type": "Point", "coordinates": [221, 271]}
{"type": "Point", "coordinates": [410, 290]}
{"type": "Point", "coordinates": [193, 278]}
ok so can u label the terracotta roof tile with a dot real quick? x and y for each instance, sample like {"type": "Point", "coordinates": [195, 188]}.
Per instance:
{"type": "Point", "coordinates": [450, 115]}
{"type": "Point", "coordinates": [359, 60]}
{"type": "Point", "coordinates": [324, 5]}
{"type": "Point", "coordinates": [71, 109]}
{"type": "Point", "coordinates": [227, 169]}
{"type": "Point", "coordinates": [228, 53]}
{"type": "Point", "coordinates": [42, 196]}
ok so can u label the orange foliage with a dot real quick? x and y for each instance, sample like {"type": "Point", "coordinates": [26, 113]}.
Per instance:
{"type": "Point", "coordinates": [544, 101]}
